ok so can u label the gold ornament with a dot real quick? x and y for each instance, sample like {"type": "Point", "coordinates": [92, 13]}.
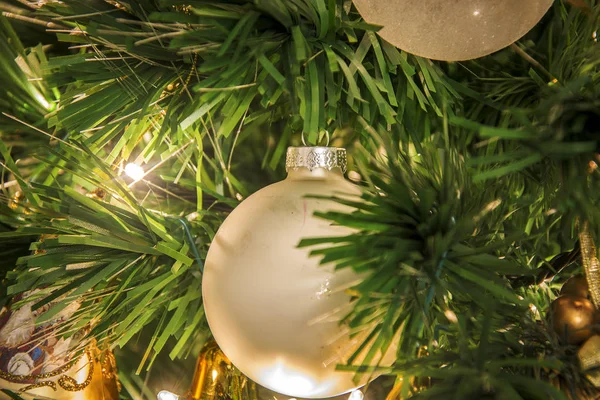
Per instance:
{"type": "Point", "coordinates": [576, 286]}
{"type": "Point", "coordinates": [452, 30]}
{"type": "Point", "coordinates": [37, 361]}
{"type": "Point", "coordinates": [396, 392]}
{"type": "Point", "coordinates": [573, 318]}
{"type": "Point", "coordinates": [91, 376]}
{"type": "Point", "coordinates": [215, 376]}
{"type": "Point", "coordinates": [417, 384]}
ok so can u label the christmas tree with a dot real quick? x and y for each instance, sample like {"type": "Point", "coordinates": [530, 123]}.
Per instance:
{"type": "Point", "coordinates": [130, 130]}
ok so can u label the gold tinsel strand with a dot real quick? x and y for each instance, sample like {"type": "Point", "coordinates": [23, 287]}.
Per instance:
{"type": "Point", "coordinates": [590, 262]}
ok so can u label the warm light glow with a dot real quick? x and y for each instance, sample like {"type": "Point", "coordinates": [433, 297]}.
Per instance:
{"type": "Point", "coordinates": [476, 13]}
{"type": "Point", "coordinates": [166, 395]}
{"type": "Point", "coordinates": [134, 171]}
{"type": "Point", "coordinates": [292, 382]}
{"type": "Point", "coordinates": [43, 101]}
{"type": "Point", "coordinates": [451, 316]}
{"type": "Point", "coordinates": [215, 374]}
{"type": "Point", "coordinates": [356, 395]}
{"type": "Point", "coordinates": [533, 308]}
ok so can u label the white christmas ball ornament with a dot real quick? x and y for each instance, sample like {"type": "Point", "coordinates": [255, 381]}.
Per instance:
{"type": "Point", "coordinates": [272, 308]}
{"type": "Point", "coordinates": [452, 30]}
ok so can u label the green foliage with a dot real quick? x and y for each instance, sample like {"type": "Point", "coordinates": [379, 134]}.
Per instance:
{"type": "Point", "coordinates": [474, 174]}
{"type": "Point", "coordinates": [126, 265]}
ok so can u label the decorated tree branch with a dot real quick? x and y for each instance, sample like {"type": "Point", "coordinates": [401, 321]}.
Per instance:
{"type": "Point", "coordinates": [374, 200]}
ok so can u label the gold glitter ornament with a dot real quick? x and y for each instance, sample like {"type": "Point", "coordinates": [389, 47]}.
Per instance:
{"type": "Point", "coordinates": [452, 30]}
{"type": "Point", "coordinates": [37, 361]}
{"type": "Point", "coordinates": [91, 376]}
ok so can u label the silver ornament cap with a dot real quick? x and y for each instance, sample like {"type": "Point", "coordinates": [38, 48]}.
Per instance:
{"type": "Point", "coordinates": [313, 157]}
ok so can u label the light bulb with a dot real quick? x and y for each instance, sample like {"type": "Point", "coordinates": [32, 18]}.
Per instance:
{"type": "Point", "coordinates": [134, 171]}
{"type": "Point", "coordinates": [166, 395]}
{"type": "Point", "coordinates": [356, 395]}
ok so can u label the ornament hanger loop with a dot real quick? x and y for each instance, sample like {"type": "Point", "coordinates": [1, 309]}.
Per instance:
{"type": "Point", "coordinates": [327, 135]}
{"type": "Point", "coordinates": [320, 136]}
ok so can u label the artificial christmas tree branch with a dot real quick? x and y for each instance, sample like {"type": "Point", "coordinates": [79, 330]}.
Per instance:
{"type": "Point", "coordinates": [474, 174]}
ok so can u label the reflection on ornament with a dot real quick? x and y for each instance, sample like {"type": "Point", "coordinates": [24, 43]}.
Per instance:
{"type": "Point", "coordinates": [288, 380]}
{"type": "Point", "coordinates": [273, 309]}
{"type": "Point", "coordinates": [166, 395]}
{"type": "Point", "coordinates": [573, 318]}
{"type": "Point", "coordinates": [452, 30]}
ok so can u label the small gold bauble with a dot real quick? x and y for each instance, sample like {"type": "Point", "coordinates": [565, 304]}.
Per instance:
{"type": "Point", "coordinates": [573, 318]}
{"type": "Point", "coordinates": [15, 200]}
{"type": "Point", "coordinates": [576, 286]}
{"type": "Point", "coordinates": [216, 378]}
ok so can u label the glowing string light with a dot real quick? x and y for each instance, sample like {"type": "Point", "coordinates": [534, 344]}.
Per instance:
{"type": "Point", "coordinates": [356, 395]}
{"type": "Point", "coordinates": [134, 171]}
{"type": "Point", "coordinates": [166, 395]}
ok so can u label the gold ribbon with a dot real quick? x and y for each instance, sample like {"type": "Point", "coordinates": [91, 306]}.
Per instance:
{"type": "Point", "coordinates": [591, 265]}
{"type": "Point", "coordinates": [589, 353]}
